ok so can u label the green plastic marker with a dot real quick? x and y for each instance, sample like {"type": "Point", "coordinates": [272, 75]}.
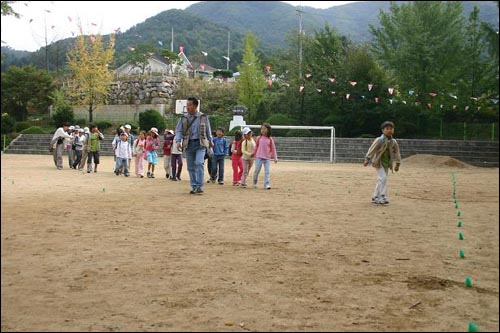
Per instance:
{"type": "Point", "coordinates": [460, 236]}
{"type": "Point", "coordinates": [473, 327]}
{"type": "Point", "coordinates": [459, 224]}
{"type": "Point", "coordinates": [459, 213]}
{"type": "Point", "coordinates": [462, 253]}
{"type": "Point", "coordinates": [468, 283]}
{"type": "Point", "coordinates": [456, 205]}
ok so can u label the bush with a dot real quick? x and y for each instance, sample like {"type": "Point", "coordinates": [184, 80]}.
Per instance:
{"type": "Point", "coordinates": [299, 133]}
{"type": "Point", "coordinates": [151, 118]}
{"type": "Point", "coordinates": [279, 119]}
{"type": "Point", "coordinates": [64, 114]}
{"type": "Point", "coordinates": [8, 123]}
{"type": "Point", "coordinates": [33, 130]}
{"type": "Point", "coordinates": [103, 124]}
{"type": "Point", "coordinates": [21, 126]}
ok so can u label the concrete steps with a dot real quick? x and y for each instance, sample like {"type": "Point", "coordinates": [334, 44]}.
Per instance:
{"type": "Point", "coordinates": [348, 150]}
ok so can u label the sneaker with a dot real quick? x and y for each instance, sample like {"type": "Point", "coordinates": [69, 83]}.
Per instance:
{"type": "Point", "coordinates": [173, 179]}
{"type": "Point", "coordinates": [221, 183]}
{"type": "Point", "coordinates": [383, 201]}
{"type": "Point", "coordinates": [268, 187]}
{"type": "Point", "coordinates": [149, 174]}
{"type": "Point", "coordinates": [375, 200]}
{"type": "Point", "coordinates": [199, 191]}
{"type": "Point", "coordinates": [167, 175]}
{"type": "Point", "coordinates": [254, 186]}
{"type": "Point", "coordinates": [244, 185]}
{"type": "Point", "coordinates": [179, 178]}
{"type": "Point", "coordinates": [126, 175]}
{"type": "Point", "coordinates": [117, 173]}
{"type": "Point", "coordinates": [152, 175]}
{"type": "Point", "coordinates": [192, 192]}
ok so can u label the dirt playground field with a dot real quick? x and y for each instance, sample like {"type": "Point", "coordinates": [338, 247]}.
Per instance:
{"type": "Point", "coordinates": [97, 252]}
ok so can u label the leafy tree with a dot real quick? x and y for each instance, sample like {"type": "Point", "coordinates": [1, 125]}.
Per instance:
{"type": "Point", "coordinates": [139, 57]}
{"type": "Point", "coordinates": [88, 62]}
{"type": "Point", "coordinates": [418, 42]}
{"type": "Point", "coordinates": [23, 89]}
{"type": "Point", "coordinates": [251, 82]}
{"type": "Point", "coordinates": [7, 9]}
{"type": "Point", "coordinates": [476, 69]}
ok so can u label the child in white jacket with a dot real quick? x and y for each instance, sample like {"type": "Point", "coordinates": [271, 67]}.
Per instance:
{"type": "Point", "coordinates": [123, 153]}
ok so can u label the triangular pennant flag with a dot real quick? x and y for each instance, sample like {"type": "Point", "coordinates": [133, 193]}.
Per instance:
{"type": "Point", "coordinates": [474, 98]}
{"type": "Point", "coordinates": [453, 96]}
{"type": "Point", "coordinates": [391, 91]}
{"type": "Point", "coordinates": [454, 107]}
{"type": "Point", "coordinates": [332, 79]}
{"type": "Point", "coordinates": [391, 101]}
{"type": "Point", "coordinates": [353, 83]}
{"type": "Point", "coordinates": [301, 89]}
{"type": "Point", "coordinates": [370, 87]}
{"type": "Point", "coordinates": [319, 90]}
{"type": "Point", "coordinates": [363, 96]}
{"type": "Point", "coordinates": [429, 105]}
{"type": "Point", "coordinates": [494, 100]}
{"type": "Point", "coordinates": [478, 108]}
{"type": "Point", "coordinates": [467, 108]}
{"type": "Point", "coordinates": [441, 106]}
{"type": "Point", "coordinates": [347, 96]}
{"type": "Point", "coordinates": [308, 75]}
{"type": "Point", "coordinates": [131, 48]}
{"type": "Point", "coordinates": [404, 102]}
{"type": "Point", "coordinates": [411, 92]}
{"type": "Point", "coordinates": [332, 92]}
{"type": "Point", "coordinates": [433, 94]}
{"type": "Point", "coordinates": [160, 43]}
{"type": "Point", "coordinates": [376, 99]}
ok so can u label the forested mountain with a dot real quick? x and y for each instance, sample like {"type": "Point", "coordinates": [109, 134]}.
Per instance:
{"type": "Point", "coordinates": [204, 26]}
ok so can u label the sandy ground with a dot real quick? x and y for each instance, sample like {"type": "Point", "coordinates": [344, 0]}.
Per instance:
{"type": "Point", "coordinates": [97, 252]}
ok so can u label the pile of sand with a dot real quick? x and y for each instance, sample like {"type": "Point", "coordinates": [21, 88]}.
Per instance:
{"type": "Point", "coordinates": [434, 161]}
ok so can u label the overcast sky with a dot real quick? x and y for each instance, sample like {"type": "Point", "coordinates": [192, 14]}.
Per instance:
{"type": "Point", "coordinates": [59, 18]}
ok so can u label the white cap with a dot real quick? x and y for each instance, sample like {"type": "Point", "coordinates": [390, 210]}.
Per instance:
{"type": "Point", "coordinates": [128, 126]}
{"type": "Point", "coordinates": [80, 130]}
{"type": "Point", "coordinates": [86, 129]}
{"type": "Point", "coordinates": [154, 129]}
{"type": "Point", "coordinates": [246, 130]}
{"type": "Point", "coordinates": [72, 127]}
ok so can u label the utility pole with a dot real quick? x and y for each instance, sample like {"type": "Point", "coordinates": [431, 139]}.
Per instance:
{"type": "Point", "coordinates": [299, 13]}
{"type": "Point", "coordinates": [46, 45]}
{"type": "Point", "coordinates": [172, 41]}
{"type": "Point", "coordinates": [228, 39]}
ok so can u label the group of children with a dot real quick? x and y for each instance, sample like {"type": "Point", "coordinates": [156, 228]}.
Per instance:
{"type": "Point", "coordinates": [82, 144]}
{"type": "Point", "coordinates": [244, 151]}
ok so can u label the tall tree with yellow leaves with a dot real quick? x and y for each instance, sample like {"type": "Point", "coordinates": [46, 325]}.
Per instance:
{"type": "Point", "coordinates": [88, 62]}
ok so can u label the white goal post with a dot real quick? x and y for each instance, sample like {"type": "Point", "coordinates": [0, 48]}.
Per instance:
{"type": "Point", "coordinates": [333, 155]}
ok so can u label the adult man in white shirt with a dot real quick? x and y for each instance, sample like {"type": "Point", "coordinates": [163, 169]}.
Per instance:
{"type": "Point", "coordinates": [57, 144]}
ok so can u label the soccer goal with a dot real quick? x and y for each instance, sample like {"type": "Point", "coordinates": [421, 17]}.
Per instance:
{"type": "Point", "coordinates": [333, 155]}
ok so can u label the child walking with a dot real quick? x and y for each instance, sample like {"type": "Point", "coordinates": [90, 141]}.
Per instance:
{"type": "Point", "coordinates": [263, 151]}
{"type": "Point", "coordinates": [247, 146]}
{"type": "Point", "coordinates": [237, 161]}
{"type": "Point", "coordinates": [138, 151]}
{"type": "Point", "coordinates": [152, 143]}
{"type": "Point", "coordinates": [382, 154]}
{"type": "Point", "coordinates": [123, 153]}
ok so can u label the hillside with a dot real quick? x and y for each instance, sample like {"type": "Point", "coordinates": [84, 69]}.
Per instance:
{"type": "Point", "coordinates": [204, 26]}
